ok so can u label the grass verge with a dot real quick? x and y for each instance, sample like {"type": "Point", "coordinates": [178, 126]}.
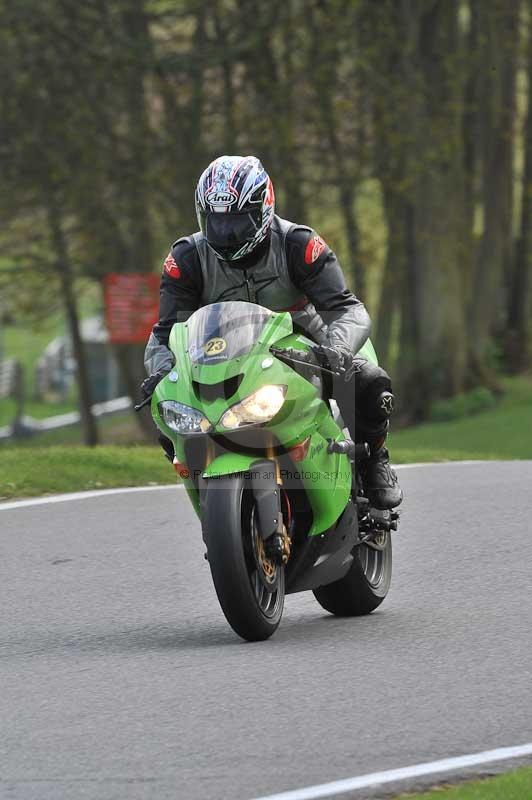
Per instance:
{"type": "Point", "coordinates": [27, 473]}
{"type": "Point", "coordinates": [64, 466]}
{"type": "Point", "coordinates": [516, 785]}
{"type": "Point", "coordinates": [503, 432]}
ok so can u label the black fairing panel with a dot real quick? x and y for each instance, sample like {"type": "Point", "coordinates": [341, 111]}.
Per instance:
{"type": "Point", "coordinates": [324, 558]}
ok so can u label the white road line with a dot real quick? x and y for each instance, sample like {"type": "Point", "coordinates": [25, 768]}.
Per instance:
{"type": "Point", "coordinates": [64, 498]}
{"type": "Point", "coordinates": [404, 773]}
{"type": "Point", "coordinates": [469, 463]}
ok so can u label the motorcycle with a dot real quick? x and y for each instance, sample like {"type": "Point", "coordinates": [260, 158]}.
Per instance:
{"type": "Point", "coordinates": [261, 450]}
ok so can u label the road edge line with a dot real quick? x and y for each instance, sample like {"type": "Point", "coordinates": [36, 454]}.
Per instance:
{"type": "Point", "coordinates": [63, 498]}
{"type": "Point", "coordinates": [403, 773]}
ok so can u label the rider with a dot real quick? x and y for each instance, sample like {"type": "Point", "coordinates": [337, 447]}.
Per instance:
{"type": "Point", "coordinates": [244, 251]}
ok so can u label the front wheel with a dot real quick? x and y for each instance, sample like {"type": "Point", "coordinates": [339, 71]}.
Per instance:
{"type": "Point", "coordinates": [250, 587]}
{"type": "Point", "coordinates": [366, 584]}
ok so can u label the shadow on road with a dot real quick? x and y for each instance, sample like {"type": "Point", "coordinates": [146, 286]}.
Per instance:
{"type": "Point", "coordinates": [318, 629]}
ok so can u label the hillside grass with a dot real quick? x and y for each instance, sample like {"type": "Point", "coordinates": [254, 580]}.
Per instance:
{"type": "Point", "coordinates": [515, 785]}
{"type": "Point", "coordinates": [503, 432]}
{"type": "Point", "coordinates": [28, 473]}
{"type": "Point", "coordinates": [57, 462]}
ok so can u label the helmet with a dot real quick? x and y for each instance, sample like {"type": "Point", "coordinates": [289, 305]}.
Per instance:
{"type": "Point", "coordinates": [235, 205]}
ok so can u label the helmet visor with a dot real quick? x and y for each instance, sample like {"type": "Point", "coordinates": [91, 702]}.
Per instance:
{"type": "Point", "coordinates": [228, 233]}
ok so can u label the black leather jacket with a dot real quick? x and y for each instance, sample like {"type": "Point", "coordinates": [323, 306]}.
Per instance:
{"type": "Point", "coordinates": [293, 271]}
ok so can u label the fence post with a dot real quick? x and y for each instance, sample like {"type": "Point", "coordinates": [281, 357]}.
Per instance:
{"type": "Point", "coordinates": [12, 386]}
{"type": "Point", "coordinates": [18, 395]}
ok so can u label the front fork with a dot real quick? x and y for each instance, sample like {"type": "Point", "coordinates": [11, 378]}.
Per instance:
{"type": "Point", "coordinates": [277, 544]}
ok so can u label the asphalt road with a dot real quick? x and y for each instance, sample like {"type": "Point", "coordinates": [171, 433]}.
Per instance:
{"type": "Point", "coordinates": [119, 677]}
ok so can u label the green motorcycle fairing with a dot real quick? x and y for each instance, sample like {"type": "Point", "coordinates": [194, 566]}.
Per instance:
{"type": "Point", "coordinates": [213, 351]}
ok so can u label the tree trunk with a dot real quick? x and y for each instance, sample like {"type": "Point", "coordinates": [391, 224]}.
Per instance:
{"type": "Point", "coordinates": [471, 125]}
{"type": "Point", "coordinates": [518, 338]}
{"type": "Point", "coordinates": [395, 209]}
{"type": "Point", "coordinates": [440, 240]}
{"type": "Point", "coordinates": [135, 181]}
{"type": "Point", "coordinates": [226, 64]}
{"type": "Point", "coordinates": [184, 121]}
{"type": "Point", "coordinates": [88, 423]}
{"type": "Point", "coordinates": [324, 73]}
{"type": "Point", "coordinates": [272, 127]}
{"type": "Point", "coordinates": [135, 184]}
{"type": "Point", "coordinates": [288, 150]}
{"type": "Point", "coordinates": [420, 162]}
{"type": "Point", "coordinates": [500, 21]}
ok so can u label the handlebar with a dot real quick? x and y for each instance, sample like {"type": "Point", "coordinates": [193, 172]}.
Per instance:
{"type": "Point", "coordinates": [293, 356]}
{"type": "Point", "coordinates": [144, 403]}
{"type": "Point", "coordinates": [321, 353]}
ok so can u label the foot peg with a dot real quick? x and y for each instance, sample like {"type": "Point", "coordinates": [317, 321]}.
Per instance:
{"type": "Point", "coordinates": [356, 452]}
{"type": "Point", "coordinates": [373, 521]}
{"type": "Point", "coordinates": [385, 520]}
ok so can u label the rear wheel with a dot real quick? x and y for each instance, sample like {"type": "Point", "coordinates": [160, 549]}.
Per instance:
{"type": "Point", "coordinates": [250, 587]}
{"type": "Point", "coordinates": [366, 584]}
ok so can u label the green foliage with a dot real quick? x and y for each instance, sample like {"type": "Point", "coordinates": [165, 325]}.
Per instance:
{"type": "Point", "coordinates": [392, 127]}
{"type": "Point", "coordinates": [462, 405]}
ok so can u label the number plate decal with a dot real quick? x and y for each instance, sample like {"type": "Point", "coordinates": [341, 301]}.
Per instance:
{"type": "Point", "coordinates": [214, 346]}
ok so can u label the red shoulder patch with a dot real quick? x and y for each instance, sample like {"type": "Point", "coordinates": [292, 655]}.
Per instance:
{"type": "Point", "coordinates": [171, 267]}
{"type": "Point", "coordinates": [314, 249]}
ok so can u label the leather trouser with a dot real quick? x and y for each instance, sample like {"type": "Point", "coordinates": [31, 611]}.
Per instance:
{"type": "Point", "coordinates": [361, 402]}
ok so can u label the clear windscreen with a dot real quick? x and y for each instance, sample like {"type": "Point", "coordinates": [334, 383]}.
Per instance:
{"type": "Point", "coordinates": [222, 331]}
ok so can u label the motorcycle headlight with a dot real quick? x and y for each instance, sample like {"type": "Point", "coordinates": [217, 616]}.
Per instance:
{"type": "Point", "coordinates": [183, 419]}
{"type": "Point", "coordinates": [261, 406]}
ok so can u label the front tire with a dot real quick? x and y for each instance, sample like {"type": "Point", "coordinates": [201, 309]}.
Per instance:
{"type": "Point", "coordinates": [249, 586]}
{"type": "Point", "coordinates": [366, 584]}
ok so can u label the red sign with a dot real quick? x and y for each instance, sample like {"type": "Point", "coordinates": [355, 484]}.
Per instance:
{"type": "Point", "coordinates": [131, 306]}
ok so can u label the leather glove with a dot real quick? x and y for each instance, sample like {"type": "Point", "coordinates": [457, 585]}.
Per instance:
{"type": "Point", "coordinates": [147, 387]}
{"type": "Point", "coordinates": [337, 357]}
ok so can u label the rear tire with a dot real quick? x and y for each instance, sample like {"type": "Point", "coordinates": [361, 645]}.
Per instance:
{"type": "Point", "coordinates": [366, 584]}
{"type": "Point", "coordinates": [250, 588]}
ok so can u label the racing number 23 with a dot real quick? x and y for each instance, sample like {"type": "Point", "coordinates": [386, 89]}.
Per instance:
{"type": "Point", "coordinates": [215, 346]}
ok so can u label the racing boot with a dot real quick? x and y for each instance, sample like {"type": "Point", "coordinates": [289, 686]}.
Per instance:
{"type": "Point", "coordinates": [379, 479]}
